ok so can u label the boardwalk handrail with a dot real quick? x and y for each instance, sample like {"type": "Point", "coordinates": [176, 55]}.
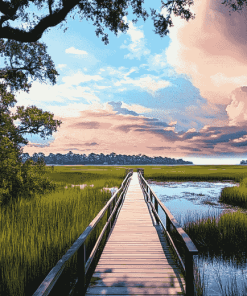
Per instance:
{"type": "Point", "coordinates": [190, 247]}
{"type": "Point", "coordinates": [79, 245]}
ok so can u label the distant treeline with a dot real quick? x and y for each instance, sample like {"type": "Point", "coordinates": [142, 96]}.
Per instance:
{"type": "Point", "coordinates": [243, 162]}
{"type": "Point", "coordinates": [92, 158]}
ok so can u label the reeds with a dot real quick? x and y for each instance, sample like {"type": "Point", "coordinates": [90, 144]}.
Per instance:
{"type": "Point", "coordinates": [200, 281]}
{"type": "Point", "coordinates": [232, 286]}
{"type": "Point", "coordinates": [195, 173]}
{"type": "Point", "coordinates": [236, 196]}
{"type": "Point", "coordinates": [224, 236]}
{"type": "Point", "coordinates": [36, 233]}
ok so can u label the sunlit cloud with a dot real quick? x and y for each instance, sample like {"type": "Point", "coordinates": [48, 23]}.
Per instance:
{"type": "Point", "coordinates": [147, 83]}
{"type": "Point", "coordinates": [211, 50]}
{"type": "Point", "coordinates": [237, 109]}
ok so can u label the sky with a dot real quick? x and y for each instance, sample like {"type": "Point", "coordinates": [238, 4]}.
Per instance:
{"type": "Point", "coordinates": [180, 96]}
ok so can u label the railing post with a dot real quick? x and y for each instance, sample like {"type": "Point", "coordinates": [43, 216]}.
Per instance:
{"type": "Point", "coordinates": [168, 224]}
{"type": "Point", "coordinates": [81, 260]}
{"type": "Point", "coordinates": [189, 274]}
{"type": "Point", "coordinates": [109, 214]}
{"type": "Point", "coordinates": [156, 208]}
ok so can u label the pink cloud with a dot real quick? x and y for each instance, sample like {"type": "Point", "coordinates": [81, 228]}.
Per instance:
{"type": "Point", "coordinates": [102, 131]}
{"type": "Point", "coordinates": [237, 110]}
{"type": "Point", "coordinates": [211, 50]}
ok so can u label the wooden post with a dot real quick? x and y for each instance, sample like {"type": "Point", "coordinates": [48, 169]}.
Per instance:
{"type": "Point", "coordinates": [189, 274]}
{"type": "Point", "coordinates": [168, 224]}
{"type": "Point", "coordinates": [81, 260]}
{"type": "Point", "coordinates": [109, 214]}
{"type": "Point", "coordinates": [156, 208]}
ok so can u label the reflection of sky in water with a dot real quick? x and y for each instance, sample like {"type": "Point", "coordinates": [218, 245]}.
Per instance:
{"type": "Point", "coordinates": [187, 200]}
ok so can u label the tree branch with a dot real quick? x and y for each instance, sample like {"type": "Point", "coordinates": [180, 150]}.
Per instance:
{"type": "Point", "coordinates": [9, 10]}
{"type": "Point", "coordinates": [37, 32]}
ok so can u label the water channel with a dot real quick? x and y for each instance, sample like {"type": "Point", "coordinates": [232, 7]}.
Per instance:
{"type": "Point", "coordinates": [190, 200]}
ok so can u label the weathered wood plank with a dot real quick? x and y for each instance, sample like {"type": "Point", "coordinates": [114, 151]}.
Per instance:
{"type": "Point", "coordinates": [129, 282]}
{"type": "Point", "coordinates": [140, 266]}
{"type": "Point", "coordinates": [133, 290]}
{"type": "Point", "coordinates": [135, 275]}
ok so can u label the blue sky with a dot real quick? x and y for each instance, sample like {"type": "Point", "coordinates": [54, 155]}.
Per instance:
{"type": "Point", "coordinates": [174, 96]}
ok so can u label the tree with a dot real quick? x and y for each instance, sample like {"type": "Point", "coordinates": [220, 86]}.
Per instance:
{"type": "Point", "coordinates": [15, 177]}
{"type": "Point", "coordinates": [23, 64]}
{"type": "Point", "coordinates": [104, 14]}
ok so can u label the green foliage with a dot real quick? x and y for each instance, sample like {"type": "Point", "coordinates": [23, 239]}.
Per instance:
{"type": "Point", "coordinates": [24, 61]}
{"type": "Point", "coordinates": [104, 14]}
{"type": "Point", "coordinates": [17, 178]}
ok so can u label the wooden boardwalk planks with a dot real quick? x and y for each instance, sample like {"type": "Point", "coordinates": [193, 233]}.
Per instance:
{"type": "Point", "coordinates": [136, 259]}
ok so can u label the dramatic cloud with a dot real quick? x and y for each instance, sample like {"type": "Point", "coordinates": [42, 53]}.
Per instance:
{"type": "Point", "coordinates": [211, 49]}
{"type": "Point", "coordinates": [106, 131]}
{"type": "Point", "coordinates": [237, 110]}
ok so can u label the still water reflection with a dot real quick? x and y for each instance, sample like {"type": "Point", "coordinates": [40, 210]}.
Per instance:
{"type": "Point", "coordinates": [189, 201]}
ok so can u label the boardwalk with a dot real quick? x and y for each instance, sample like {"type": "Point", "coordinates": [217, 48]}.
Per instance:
{"type": "Point", "coordinates": [136, 259]}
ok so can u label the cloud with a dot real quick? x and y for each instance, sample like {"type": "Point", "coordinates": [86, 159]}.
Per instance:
{"type": "Point", "coordinates": [237, 110]}
{"type": "Point", "coordinates": [148, 83]}
{"type": "Point", "coordinates": [101, 129]}
{"type": "Point", "coordinates": [137, 46]}
{"type": "Point", "coordinates": [102, 86]}
{"type": "Point", "coordinates": [80, 77]}
{"type": "Point", "coordinates": [117, 106]}
{"type": "Point", "coordinates": [156, 62]}
{"type": "Point", "coordinates": [73, 50]}
{"type": "Point", "coordinates": [61, 66]}
{"type": "Point", "coordinates": [58, 98]}
{"type": "Point", "coordinates": [136, 108]}
{"type": "Point", "coordinates": [211, 49]}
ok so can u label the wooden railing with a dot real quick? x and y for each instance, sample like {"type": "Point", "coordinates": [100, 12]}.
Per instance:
{"type": "Point", "coordinates": [79, 246]}
{"type": "Point", "coordinates": [190, 248]}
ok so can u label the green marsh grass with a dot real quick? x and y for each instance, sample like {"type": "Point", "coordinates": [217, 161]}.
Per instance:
{"type": "Point", "coordinates": [236, 196]}
{"type": "Point", "coordinates": [86, 174]}
{"type": "Point", "coordinates": [223, 236]}
{"type": "Point", "coordinates": [195, 173]}
{"type": "Point", "coordinates": [37, 232]}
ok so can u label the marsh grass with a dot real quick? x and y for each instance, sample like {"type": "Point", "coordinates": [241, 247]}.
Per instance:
{"type": "Point", "coordinates": [200, 280]}
{"type": "Point", "coordinates": [86, 174]}
{"type": "Point", "coordinates": [195, 173]}
{"type": "Point", "coordinates": [236, 196]}
{"type": "Point", "coordinates": [223, 236]}
{"type": "Point", "coordinates": [37, 232]}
